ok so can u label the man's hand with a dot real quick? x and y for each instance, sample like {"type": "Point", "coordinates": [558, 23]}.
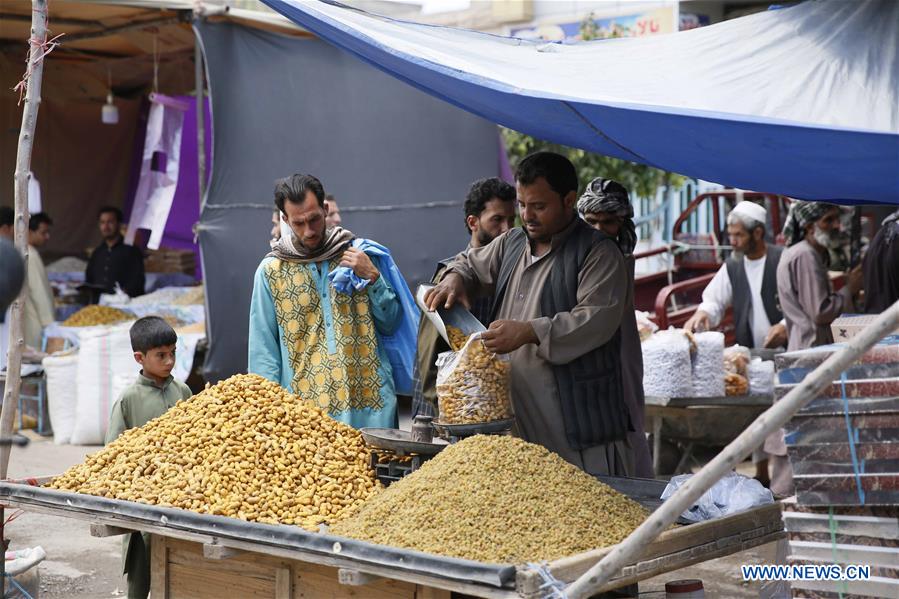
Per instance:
{"type": "Point", "coordinates": [506, 336]}
{"type": "Point", "coordinates": [855, 279]}
{"type": "Point", "coordinates": [446, 293]}
{"type": "Point", "coordinates": [777, 336]}
{"type": "Point", "coordinates": [698, 322]}
{"type": "Point", "coordinates": [360, 263]}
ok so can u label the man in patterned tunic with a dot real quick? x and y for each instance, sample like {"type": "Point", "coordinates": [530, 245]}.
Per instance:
{"type": "Point", "coordinates": [326, 311]}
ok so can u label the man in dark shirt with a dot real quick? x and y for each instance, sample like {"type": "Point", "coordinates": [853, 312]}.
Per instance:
{"type": "Point", "coordinates": [881, 267]}
{"type": "Point", "coordinates": [114, 262]}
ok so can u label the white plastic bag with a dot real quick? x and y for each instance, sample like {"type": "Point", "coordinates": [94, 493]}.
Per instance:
{"type": "Point", "coordinates": [761, 377]}
{"type": "Point", "coordinates": [105, 362]}
{"type": "Point", "coordinates": [473, 385]}
{"type": "Point", "coordinates": [645, 326]}
{"type": "Point", "coordinates": [62, 393]}
{"type": "Point", "coordinates": [708, 365]}
{"type": "Point", "coordinates": [667, 369]}
{"type": "Point", "coordinates": [733, 493]}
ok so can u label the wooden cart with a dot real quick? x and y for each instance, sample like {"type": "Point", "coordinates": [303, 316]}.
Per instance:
{"type": "Point", "coordinates": [198, 556]}
{"type": "Point", "coordinates": [692, 421]}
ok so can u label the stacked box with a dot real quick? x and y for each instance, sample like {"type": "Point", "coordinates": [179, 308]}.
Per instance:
{"type": "Point", "coordinates": [845, 536]}
{"type": "Point", "coordinates": [821, 445]}
{"type": "Point", "coordinates": [170, 260]}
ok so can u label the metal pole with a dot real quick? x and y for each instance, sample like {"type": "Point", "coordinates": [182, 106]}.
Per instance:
{"type": "Point", "coordinates": [768, 422]}
{"type": "Point", "coordinates": [201, 116]}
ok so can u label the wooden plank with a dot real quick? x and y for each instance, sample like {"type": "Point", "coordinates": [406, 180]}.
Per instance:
{"type": "Point", "coordinates": [283, 583]}
{"type": "Point", "coordinates": [726, 400]}
{"type": "Point", "coordinates": [306, 557]}
{"type": "Point", "coordinates": [159, 566]}
{"type": "Point", "coordinates": [105, 530]}
{"type": "Point", "coordinates": [190, 582]}
{"type": "Point", "coordinates": [705, 540]}
{"type": "Point", "coordinates": [216, 551]}
{"type": "Point", "coordinates": [314, 581]}
{"type": "Point", "coordinates": [354, 578]}
{"type": "Point", "coordinates": [431, 593]}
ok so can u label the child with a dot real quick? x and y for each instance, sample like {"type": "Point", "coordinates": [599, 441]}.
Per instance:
{"type": "Point", "coordinates": [154, 392]}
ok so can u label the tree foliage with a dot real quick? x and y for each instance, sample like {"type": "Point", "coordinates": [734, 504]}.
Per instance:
{"type": "Point", "coordinates": [639, 179]}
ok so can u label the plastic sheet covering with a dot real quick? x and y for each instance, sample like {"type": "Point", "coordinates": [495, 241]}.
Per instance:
{"type": "Point", "coordinates": [799, 101]}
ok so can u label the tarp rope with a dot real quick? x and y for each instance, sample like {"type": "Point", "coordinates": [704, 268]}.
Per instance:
{"type": "Point", "coordinates": [551, 588]}
{"type": "Point", "coordinates": [856, 468]}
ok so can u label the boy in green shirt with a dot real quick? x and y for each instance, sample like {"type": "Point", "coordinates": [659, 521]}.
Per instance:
{"type": "Point", "coordinates": [154, 392]}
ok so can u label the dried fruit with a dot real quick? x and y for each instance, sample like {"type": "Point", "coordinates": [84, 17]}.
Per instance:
{"type": "Point", "coordinates": [245, 448]}
{"type": "Point", "coordinates": [91, 316]}
{"type": "Point", "coordinates": [496, 499]}
{"type": "Point", "coordinates": [474, 387]}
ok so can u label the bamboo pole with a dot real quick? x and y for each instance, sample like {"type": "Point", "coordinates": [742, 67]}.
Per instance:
{"type": "Point", "coordinates": [33, 74]}
{"type": "Point", "coordinates": [768, 422]}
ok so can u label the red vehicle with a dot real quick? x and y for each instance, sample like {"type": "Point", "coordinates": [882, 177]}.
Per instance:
{"type": "Point", "coordinates": [671, 296]}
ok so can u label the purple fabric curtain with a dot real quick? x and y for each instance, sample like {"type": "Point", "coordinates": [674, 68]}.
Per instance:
{"type": "Point", "coordinates": [186, 205]}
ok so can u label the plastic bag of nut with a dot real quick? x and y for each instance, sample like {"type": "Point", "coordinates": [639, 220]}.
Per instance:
{"type": "Point", "coordinates": [736, 379]}
{"type": "Point", "coordinates": [473, 385]}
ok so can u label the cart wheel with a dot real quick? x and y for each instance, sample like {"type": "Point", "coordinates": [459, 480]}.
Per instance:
{"type": "Point", "coordinates": [670, 454]}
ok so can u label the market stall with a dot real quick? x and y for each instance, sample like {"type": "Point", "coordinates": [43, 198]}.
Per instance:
{"type": "Point", "coordinates": [205, 556]}
{"type": "Point", "coordinates": [844, 447]}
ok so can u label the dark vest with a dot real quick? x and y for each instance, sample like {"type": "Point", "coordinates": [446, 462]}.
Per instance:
{"type": "Point", "coordinates": [742, 296]}
{"type": "Point", "coordinates": [590, 387]}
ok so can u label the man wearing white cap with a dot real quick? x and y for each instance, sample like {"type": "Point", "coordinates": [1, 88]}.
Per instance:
{"type": "Point", "coordinates": [748, 282]}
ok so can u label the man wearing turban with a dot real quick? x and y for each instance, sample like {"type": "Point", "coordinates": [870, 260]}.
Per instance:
{"type": "Point", "coordinates": [606, 206]}
{"type": "Point", "coordinates": [808, 301]}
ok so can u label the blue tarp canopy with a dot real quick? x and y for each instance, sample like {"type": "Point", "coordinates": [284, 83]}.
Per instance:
{"type": "Point", "coordinates": [801, 101]}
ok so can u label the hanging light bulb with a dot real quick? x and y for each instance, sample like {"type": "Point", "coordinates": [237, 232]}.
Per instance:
{"type": "Point", "coordinates": [110, 113]}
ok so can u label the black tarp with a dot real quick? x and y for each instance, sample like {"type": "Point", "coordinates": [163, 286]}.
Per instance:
{"type": "Point", "coordinates": [397, 160]}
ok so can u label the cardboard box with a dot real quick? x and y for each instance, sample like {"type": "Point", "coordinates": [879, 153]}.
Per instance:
{"type": "Point", "coordinates": [848, 326]}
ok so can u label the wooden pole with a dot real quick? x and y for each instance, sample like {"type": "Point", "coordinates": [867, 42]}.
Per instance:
{"type": "Point", "coordinates": [33, 75]}
{"type": "Point", "coordinates": [768, 422]}
{"type": "Point", "coordinates": [201, 117]}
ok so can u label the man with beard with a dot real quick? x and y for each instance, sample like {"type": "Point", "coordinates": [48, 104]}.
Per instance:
{"type": "Point", "coordinates": [558, 288]}
{"type": "Point", "coordinates": [606, 206]}
{"type": "Point", "coordinates": [331, 317]}
{"type": "Point", "coordinates": [747, 281]}
{"type": "Point", "coordinates": [808, 301]}
{"type": "Point", "coordinates": [39, 303]}
{"type": "Point", "coordinates": [806, 296]}
{"type": "Point", "coordinates": [489, 212]}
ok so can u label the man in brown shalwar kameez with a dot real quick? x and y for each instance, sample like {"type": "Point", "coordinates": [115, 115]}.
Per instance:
{"type": "Point", "coordinates": [559, 289]}
{"type": "Point", "coordinates": [808, 301]}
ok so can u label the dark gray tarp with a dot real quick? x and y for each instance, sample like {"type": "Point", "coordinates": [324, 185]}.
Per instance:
{"type": "Point", "coordinates": [398, 161]}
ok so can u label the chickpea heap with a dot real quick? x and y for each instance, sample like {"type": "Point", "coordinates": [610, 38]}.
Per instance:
{"type": "Point", "coordinates": [244, 448]}
{"type": "Point", "coordinates": [477, 388]}
{"type": "Point", "coordinates": [496, 499]}
{"type": "Point", "coordinates": [91, 316]}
